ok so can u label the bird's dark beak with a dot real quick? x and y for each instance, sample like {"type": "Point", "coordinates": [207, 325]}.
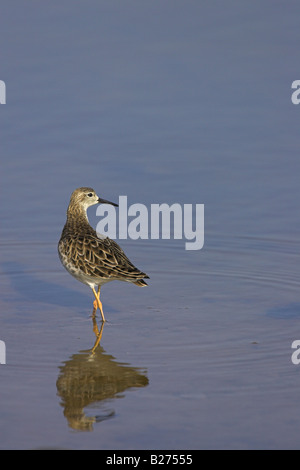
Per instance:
{"type": "Point", "coordinates": [104, 201]}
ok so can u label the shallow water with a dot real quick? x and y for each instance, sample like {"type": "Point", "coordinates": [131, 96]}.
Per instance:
{"type": "Point", "coordinates": [189, 108]}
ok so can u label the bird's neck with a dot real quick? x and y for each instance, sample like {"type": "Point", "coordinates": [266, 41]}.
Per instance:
{"type": "Point", "coordinates": [76, 215]}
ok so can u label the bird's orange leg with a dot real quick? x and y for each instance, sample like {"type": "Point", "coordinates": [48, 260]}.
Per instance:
{"type": "Point", "coordinates": [95, 304]}
{"type": "Point", "coordinates": [98, 302]}
{"type": "Point", "coordinates": [97, 333]}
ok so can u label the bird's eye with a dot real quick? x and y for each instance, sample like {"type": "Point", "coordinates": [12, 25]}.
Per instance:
{"type": "Point", "coordinates": [90, 194]}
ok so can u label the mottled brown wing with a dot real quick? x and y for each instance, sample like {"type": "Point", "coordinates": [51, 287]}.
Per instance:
{"type": "Point", "coordinates": [100, 257]}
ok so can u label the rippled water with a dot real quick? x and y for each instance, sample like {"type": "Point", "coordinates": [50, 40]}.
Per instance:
{"type": "Point", "coordinates": [205, 349]}
{"type": "Point", "coordinates": [202, 357]}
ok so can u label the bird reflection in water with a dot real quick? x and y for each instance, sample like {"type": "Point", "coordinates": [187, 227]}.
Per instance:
{"type": "Point", "coordinates": [91, 379]}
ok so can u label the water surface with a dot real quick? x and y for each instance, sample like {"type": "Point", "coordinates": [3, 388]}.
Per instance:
{"type": "Point", "coordinates": [172, 102]}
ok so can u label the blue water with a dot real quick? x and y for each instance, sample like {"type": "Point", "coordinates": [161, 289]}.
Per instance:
{"type": "Point", "coordinates": [175, 102]}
